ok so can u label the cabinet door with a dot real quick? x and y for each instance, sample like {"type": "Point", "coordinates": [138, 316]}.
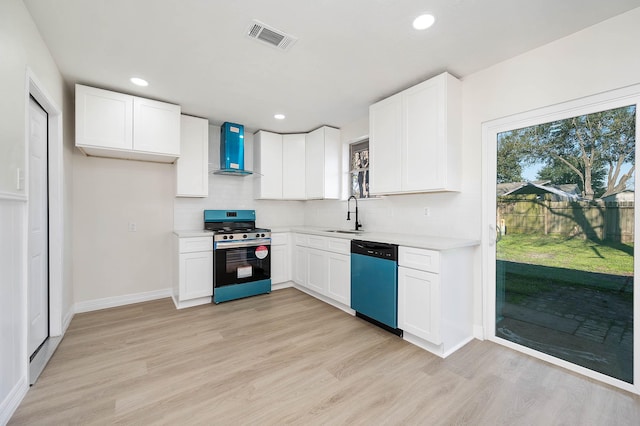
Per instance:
{"type": "Point", "coordinates": [156, 127]}
{"type": "Point", "coordinates": [424, 140]}
{"type": "Point", "coordinates": [419, 304]}
{"type": "Point", "coordinates": [293, 167]}
{"type": "Point", "coordinates": [317, 270]}
{"type": "Point", "coordinates": [267, 163]}
{"type": "Point", "coordinates": [314, 164]}
{"type": "Point", "coordinates": [300, 265]}
{"type": "Point", "coordinates": [103, 118]}
{"type": "Point", "coordinates": [339, 281]}
{"type": "Point", "coordinates": [279, 264]}
{"type": "Point", "coordinates": [196, 275]}
{"type": "Point", "coordinates": [385, 136]}
{"type": "Point", "coordinates": [332, 164]}
{"type": "Point", "coordinates": [192, 168]}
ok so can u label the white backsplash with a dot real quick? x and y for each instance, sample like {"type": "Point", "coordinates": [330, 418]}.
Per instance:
{"type": "Point", "coordinates": [234, 193]}
{"type": "Point", "coordinates": [450, 214]}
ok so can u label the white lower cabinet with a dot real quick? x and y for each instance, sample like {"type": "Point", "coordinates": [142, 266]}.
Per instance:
{"type": "Point", "coordinates": [323, 265]}
{"type": "Point", "coordinates": [300, 265]}
{"type": "Point", "coordinates": [419, 304]}
{"type": "Point", "coordinates": [317, 270]}
{"type": "Point", "coordinates": [280, 258]}
{"type": "Point", "coordinates": [435, 298]}
{"type": "Point", "coordinates": [193, 271]}
{"type": "Point", "coordinates": [339, 282]}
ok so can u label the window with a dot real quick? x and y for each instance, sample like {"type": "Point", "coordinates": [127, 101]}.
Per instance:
{"type": "Point", "coordinates": [359, 169]}
{"type": "Point", "coordinates": [559, 257]}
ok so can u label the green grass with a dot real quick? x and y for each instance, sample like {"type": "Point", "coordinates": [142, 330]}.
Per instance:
{"type": "Point", "coordinates": [571, 253]}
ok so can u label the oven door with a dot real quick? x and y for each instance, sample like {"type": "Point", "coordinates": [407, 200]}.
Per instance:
{"type": "Point", "coordinates": [241, 262]}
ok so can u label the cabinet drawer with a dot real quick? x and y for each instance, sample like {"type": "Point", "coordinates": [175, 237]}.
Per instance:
{"type": "Point", "coordinates": [318, 242]}
{"type": "Point", "coordinates": [194, 244]}
{"type": "Point", "coordinates": [339, 245]}
{"type": "Point", "coordinates": [422, 259]}
{"type": "Point", "coordinates": [279, 239]}
{"type": "Point", "coordinates": [301, 240]}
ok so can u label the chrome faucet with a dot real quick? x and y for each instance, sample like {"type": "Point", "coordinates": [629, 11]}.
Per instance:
{"type": "Point", "coordinates": [358, 224]}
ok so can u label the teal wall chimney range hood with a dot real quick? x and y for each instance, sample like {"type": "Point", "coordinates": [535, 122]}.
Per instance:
{"type": "Point", "coordinates": [232, 150]}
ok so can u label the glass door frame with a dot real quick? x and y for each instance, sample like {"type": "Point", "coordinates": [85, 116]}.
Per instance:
{"type": "Point", "coordinates": [608, 100]}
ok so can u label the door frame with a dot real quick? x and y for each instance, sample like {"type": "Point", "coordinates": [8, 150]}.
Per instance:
{"type": "Point", "coordinates": [34, 87]}
{"type": "Point", "coordinates": [590, 104]}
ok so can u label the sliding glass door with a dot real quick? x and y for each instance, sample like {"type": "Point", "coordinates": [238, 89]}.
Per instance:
{"type": "Point", "coordinates": [564, 222]}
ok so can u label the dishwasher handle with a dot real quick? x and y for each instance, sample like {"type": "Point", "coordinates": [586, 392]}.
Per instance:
{"type": "Point", "coordinates": [375, 249]}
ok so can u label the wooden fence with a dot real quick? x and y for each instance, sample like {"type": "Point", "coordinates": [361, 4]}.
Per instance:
{"type": "Point", "coordinates": [586, 219]}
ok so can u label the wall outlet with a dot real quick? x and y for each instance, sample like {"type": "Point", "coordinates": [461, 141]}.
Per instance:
{"type": "Point", "coordinates": [133, 227]}
{"type": "Point", "coordinates": [427, 211]}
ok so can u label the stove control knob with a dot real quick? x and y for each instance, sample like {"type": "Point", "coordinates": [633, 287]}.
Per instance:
{"type": "Point", "coordinates": [224, 237]}
{"type": "Point", "coordinates": [231, 237]}
{"type": "Point", "coordinates": [263, 235]}
{"type": "Point", "coordinates": [257, 235]}
{"type": "Point", "coordinates": [244, 236]}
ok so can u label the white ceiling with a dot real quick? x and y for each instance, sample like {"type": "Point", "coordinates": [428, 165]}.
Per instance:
{"type": "Point", "coordinates": [349, 53]}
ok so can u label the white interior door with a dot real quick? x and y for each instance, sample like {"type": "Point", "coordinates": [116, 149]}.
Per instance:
{"type": "Point", "coordinates": [38, 239]}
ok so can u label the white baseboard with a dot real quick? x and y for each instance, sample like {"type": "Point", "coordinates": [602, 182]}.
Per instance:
{"type": "Point", "coordinates": [111, 302]}
{"type": "Point", "coordinates": [190, 303]}
{"type": "Point", "coordinates": [10, 404]}
{"type": "Point", "coordinates": [325, 299]}
{"type": "Point", "coordinates": [280, 286]}
{"type": "Point", "coordinates": [478, 332]}
{"type": "Point", "coordinates": [67, 320]}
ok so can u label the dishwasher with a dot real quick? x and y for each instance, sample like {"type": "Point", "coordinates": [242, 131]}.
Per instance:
{"type": "Point", "coordinates": [374, 283]}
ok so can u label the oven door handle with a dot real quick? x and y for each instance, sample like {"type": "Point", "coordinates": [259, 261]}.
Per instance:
{"type": "Point", "coordinates": [221, 245]}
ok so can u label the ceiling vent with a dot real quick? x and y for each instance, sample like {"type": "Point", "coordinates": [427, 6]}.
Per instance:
{"type": "Point", "coordinates": [276, 38]}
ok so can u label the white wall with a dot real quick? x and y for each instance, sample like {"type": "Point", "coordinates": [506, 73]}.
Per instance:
{"type": "Point", "coordinates": [109, 260]}
{"type": "Point", "coordinates": [22, 48]}
{"type": "Point", "coordinates": [235, 193]}
{"type": "Point", "coordinates": [594, 60]}
{"type": "Point", "coordinates": [113, 265]}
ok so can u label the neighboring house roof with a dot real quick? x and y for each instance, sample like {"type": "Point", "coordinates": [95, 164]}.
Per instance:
{"type": "Point", "coordinates": [570, 192]}
{"type": "Point", "coordinates": [503, 188]}
{"type": "Point", "coordinates": [625, 195]}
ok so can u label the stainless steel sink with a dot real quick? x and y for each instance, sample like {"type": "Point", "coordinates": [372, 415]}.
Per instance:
{"type": "Point", "coordinates": [343, 231]}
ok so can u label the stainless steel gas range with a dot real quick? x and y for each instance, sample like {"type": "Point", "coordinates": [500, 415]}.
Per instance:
{"type": "Point", "coordinates": [241, 254]}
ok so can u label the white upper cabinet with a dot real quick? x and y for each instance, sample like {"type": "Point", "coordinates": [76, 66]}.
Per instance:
{"type": "Point", "coordinates": [111, 124]}
{"type": "Point", "coordinates": [103, 118]}
{"type": "Point", "coordinates": [322, 165]}
{"type": "Point", "coordinates": [385, 137]}
{"type": "Point", "coordinates": [156, 127]}
{"type": "Point", "coordinates": [297, 166]}
{"type": "Point", "coordinates": [293, 167]}
{"type": "Point", "coordinates": [267, 164]}
{"type": "Point", "coordinates": [415, 139]}
{"type": "Point", "coordinates": [192, 173]}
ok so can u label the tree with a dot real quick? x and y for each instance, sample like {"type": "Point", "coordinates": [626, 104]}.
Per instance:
{"type": "Point", "coordinates": [510, 154]}
{"type": "Point", "coordinates": [558, 173]}
{"type": "Point", "coordinates": [584, 145]}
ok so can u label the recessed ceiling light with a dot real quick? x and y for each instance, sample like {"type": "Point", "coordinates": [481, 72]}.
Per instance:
{"type": "Point", "coordinates": [139, 81]}
{"type": "Point", "coordinates": [423, 22]}
{"type": "Point", "coordinates": [279, 116]}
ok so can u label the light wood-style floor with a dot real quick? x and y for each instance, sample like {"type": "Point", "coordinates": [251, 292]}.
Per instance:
{"type": "Point", "coordinates": [286, 358]}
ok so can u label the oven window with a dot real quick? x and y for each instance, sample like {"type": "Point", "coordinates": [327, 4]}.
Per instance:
{"type": "Point", "coordinates": [240, 265]}
{"type": "Point", "coordinates": [236, 259]}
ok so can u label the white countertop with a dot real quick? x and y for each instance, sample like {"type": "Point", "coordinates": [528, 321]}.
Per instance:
{"type": "Point", "coordinates": [408, 240]}
{"type": "Point", "coordinates": [187, 233]}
